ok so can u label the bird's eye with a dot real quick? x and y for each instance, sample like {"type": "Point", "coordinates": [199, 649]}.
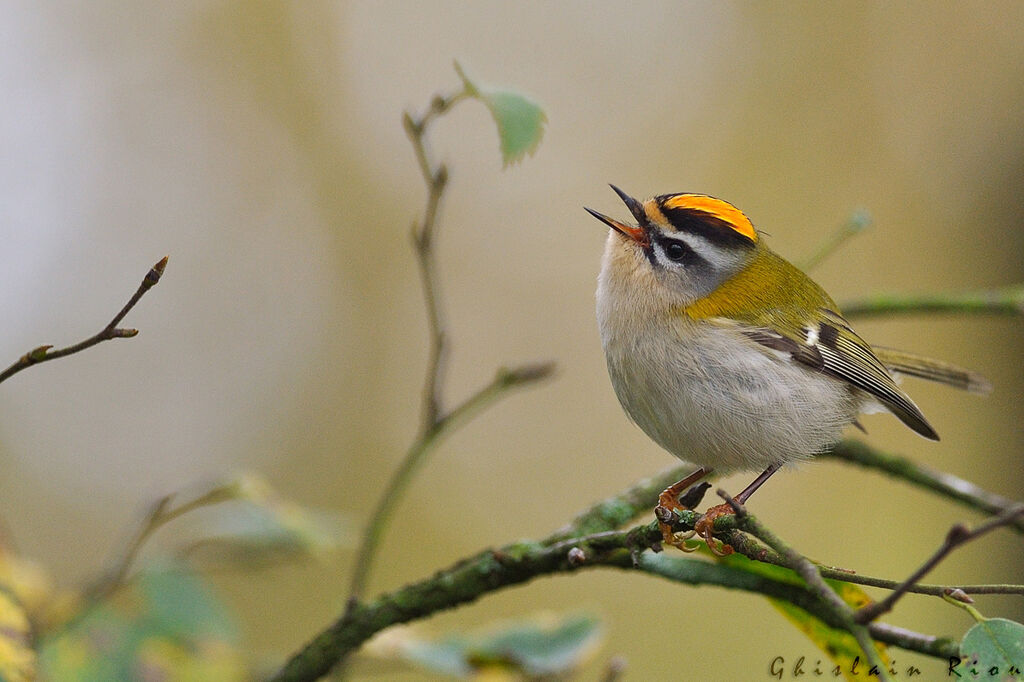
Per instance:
{"type": "Point", "coordinates": [675, 251]}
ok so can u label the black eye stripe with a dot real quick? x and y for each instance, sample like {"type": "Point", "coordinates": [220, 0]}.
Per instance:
{"type": "Point", "coordinates": [678, 251]}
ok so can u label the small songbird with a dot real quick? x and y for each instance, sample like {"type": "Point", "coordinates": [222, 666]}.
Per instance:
{"type": "Point", "coordinates": [730, 357]}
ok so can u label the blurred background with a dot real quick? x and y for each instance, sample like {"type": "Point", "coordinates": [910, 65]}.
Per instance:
{"type": "Point", "coordinates": [260, 146]}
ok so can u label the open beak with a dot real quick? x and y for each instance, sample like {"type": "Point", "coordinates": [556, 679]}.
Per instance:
{"type": "Point", "coordinates": [637, 234]}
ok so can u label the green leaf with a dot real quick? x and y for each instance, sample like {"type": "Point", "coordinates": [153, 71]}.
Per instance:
{"type": "Point", "coordinates": [520, 120]}
{"type": "Point", "coordinates": [995, 647]}
{"type": "Point", "coordinates": [534, 649]}
{"type": "Point", "coordinates": [165, 625]}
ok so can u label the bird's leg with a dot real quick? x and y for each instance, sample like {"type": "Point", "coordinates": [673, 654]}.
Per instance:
{"type": "Point", "coordinates": [669, 502]}
{"type": "Point", "coordinates": [705, 526]}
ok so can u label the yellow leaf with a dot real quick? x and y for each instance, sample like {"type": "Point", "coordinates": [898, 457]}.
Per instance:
{"type": "Point", "coordinates": [17, 658]}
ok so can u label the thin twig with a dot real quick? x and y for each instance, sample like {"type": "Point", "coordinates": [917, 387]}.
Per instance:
{"type": "Point", "coordinates": [436, 179]}
{"type": "Point", "coordinates": [436, 420]}
{"type": "Point", "coordinates": [1008, 300]}
{"type": "Point", "coordinates": [160, 514]}
{"type": "Point", "coordinates": [958, 535]}
{"type": "Point", "coordinates": [919, 588]}
{"type": "Point", "coordinates": [111, 331]}
{"type": "Point", "coordinates": [118, 576]}
{"type": "Point", "coordinates": [858, 222]}
{"type": "Point", "coordinates": [750, 547]}
{"type": "Point", "coordinates": [388, 502]}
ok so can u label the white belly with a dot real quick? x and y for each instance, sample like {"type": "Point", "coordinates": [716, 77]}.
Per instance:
{"type": "Point", "coordinates": [717, 399]}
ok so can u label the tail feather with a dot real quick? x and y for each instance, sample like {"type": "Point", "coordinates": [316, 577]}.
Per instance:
{"type": "Point", "coordinates": [910, 364]}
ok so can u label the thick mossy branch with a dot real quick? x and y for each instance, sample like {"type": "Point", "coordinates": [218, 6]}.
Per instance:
{"type": "Point", "coordinates": [591, 541]}
{"type": "Point", "coordinates": [518, 563]}
{"type": "Point", "coordinates": [618, 510]}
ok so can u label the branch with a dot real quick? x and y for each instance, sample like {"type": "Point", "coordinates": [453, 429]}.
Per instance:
{"type": "Point", "coordinates": [857, 223]}
{"type": "Point", "coordinates": [752, 549]}
{"type": "Point", "coordinates": [620, 509]}
{"type": "Point", "coordinates": [388, 502]}
{"type": "Point", "coordinates": [1007, 300]}
{"type": "Point", "coordinates": [111, 331]}
{"type": "Point", "coordinates": [436, 179]}
{"type": "Point", "coordinates": [159, 516]}
{"type": "Point", "coordinates": [517, 563]}
{"type": "Point", "coordinates": [945, 484]}
{"type": "Point", "coordinates": [436, 421]}
{"type": "Point", "coordinates": [958, 535]}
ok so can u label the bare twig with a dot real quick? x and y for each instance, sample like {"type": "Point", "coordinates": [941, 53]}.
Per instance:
{"type": "Point", "coordinates": [159, 515]}
{"type": "Point", "coordinates": [958, 535]}
{"type": "Point", "coordinates": [1007, 300]}
{"type": "Point", "coordinates": [919, 588]}
{"type": "Point", "coordinates": [437, 421]}
{"type": "Point", "coordinates": [111, 331]}
{"type": "Point", "coordinates": [858, 222]}
{"type": "Point", "coordinates": [751, 548]}
{"type": "Point", "coordinates": [400, 479]}
{"type": "Point", "coordinates": [436, 179]}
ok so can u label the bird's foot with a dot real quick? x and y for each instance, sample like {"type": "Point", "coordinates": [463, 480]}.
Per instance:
{"type": "Point", "coordinates": [705, 528]}
{"type": "Point", "coordinates": [666, 516]}
{"type": "Point", "coordinates": [669, 502]}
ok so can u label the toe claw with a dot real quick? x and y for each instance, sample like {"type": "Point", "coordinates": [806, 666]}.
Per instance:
{"type": "Point", "coordinates": [705, 527]}
{"type": "Point", "coordinates": [724, 551]}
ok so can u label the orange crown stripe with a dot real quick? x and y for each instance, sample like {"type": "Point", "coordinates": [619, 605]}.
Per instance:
{"type": "Point", "coordinates": [722, 210]}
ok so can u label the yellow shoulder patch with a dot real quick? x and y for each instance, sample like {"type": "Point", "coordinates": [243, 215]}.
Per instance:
{"type": "Point", "coordinates": [717, 208]}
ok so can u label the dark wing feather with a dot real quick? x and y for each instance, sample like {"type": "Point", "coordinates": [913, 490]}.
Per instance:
{"type": "Point", "coordinates": [835, 349]}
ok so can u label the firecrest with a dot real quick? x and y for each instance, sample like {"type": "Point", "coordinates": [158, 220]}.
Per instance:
{"type": "Point", "coordinates": [730, 357]}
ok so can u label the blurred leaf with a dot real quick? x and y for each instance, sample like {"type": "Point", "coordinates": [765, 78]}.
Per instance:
{"type": "Point", "coordinates": [520, 120]}
{"type": "Point", "coordinates": [265, 528]}
{"type": "Point", "coordinates": [27, 581]}
{"type": "Point", "coordinates": [165, 625]}
{"type": "Point", "coordinates": [838, 645]}
{"type": "Point", "coordinates": [995, 643]}
{"type": "Point", "coordinates": [17, 659]}
{"type": "Point", "coordinates": [527, 649]}
{"type": "Point", "coordinates": [182, 605]}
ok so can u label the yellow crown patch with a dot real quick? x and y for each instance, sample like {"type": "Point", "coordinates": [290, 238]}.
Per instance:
{"type": "Point", "coordinates": [722, 210]}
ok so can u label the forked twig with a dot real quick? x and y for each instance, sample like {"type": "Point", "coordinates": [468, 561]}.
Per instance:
{"type": "Point", "coordinates": [111, 331]}
{"type": "Point", "coordinates": [437, 420]}
{"type": "Point", "coordinates": [958, 535]}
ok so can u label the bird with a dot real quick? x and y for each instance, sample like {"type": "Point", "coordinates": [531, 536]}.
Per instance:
{"type": "Point", "coordinates": [730, 357]}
